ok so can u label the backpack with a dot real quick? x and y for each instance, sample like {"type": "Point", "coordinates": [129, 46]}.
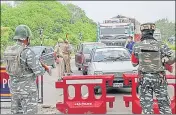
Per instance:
{"type": "Point", "coordinates": [150, 56]}
{"type": "Point", "coordinates": [12, 56]}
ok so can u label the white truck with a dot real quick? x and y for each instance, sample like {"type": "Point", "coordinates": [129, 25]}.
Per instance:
{"type": "Point", "coordinates": [115, 31]}
{"type": "Point", "coordinates": [157, 35]}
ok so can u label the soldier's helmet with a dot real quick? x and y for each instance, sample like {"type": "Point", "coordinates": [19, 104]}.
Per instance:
{"type": "Point", "coordinates": [22, 32]}
{"type": "Point", "coordinates": [147, 28]}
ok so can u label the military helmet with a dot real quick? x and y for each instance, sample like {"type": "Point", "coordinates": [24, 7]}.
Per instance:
{"type": "Point", "coordinates": [147, 26]}
{"type": "Point", "coordinates": [147, 29]}
{"type": "Point", "coordinates": [22, 32]}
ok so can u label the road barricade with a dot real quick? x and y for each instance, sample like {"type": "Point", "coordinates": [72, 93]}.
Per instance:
{"type": "Point", "coordinates": [5, 95]}
{"type": "Point", "coordinates": [88, 104]}
{"type": "Point", "coordinates": [4, 91]}
{"type": "Point", "coordinates": [133, 98]}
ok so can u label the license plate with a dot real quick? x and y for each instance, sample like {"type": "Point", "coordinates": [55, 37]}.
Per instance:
{"type": "Point", "coordinates": [117, 84]}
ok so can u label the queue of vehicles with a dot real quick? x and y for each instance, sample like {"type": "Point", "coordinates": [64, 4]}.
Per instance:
{"type": "Point", "coordinates": [112, 57]}
{"type": "Point", "coordinates": [83, 54]}
{"type": "Point", "coordinates": [116, 30]}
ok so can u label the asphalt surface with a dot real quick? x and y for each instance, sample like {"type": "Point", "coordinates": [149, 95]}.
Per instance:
{"type": "Point", "coordinates": [53, 95]}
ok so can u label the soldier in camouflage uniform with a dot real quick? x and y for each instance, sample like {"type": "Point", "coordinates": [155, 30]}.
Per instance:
{"type": "Point", "coordinates": [23, 68]}
{"type": "Point", "coordinates": [60, 63]}
{"type": "Point", "coordinates": [151, 56]}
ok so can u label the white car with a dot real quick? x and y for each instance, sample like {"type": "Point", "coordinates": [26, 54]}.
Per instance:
{"type": "Point", "coordinates": [111, 60]}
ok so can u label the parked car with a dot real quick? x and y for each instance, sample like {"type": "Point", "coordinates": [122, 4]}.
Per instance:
{"type": "Point", "coordinates": [111, 60]}
{"type": "Point", "coordinates": [46, 54]}
{"type": "Point", "coordinates": [171, 40]}
{"type": "Point", "coordinates": [83, 53]}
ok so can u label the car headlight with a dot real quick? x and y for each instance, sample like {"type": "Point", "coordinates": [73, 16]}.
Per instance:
{"type": "Point", "coordinates": [98, 72]}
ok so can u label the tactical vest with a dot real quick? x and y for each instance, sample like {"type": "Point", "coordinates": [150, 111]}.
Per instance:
{"type": "Point", "coordinates": [150, 56]}
{"type": "Point", "coordinates": [12, 56]}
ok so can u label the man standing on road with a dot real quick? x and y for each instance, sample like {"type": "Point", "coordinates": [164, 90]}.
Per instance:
{"type": "Point", "coordinates": [23, 68]}
{"type": "Point", "coordinates": [130, 44]}
{"type": "Point", "coordinates": [60, 61]}
{"type": "Point", "coordinates": [66, 56]}
{"type": "Point", "coordinates": [151, 56]}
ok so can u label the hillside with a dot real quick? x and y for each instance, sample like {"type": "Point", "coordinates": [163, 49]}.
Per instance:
{"type": "Point", "coordinates": [54, 18]}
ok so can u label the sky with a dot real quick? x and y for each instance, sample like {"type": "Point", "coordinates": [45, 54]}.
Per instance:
{"type": "Point", "coordinates": [143, 11]}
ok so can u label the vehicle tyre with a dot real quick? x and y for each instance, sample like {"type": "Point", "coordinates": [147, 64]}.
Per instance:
{"type": "Point", "coordinates": [79, 69]}
{"type": "Point", "coordinates": [54, 66]}
{"type": "Point", "coordinates": [84, 72]}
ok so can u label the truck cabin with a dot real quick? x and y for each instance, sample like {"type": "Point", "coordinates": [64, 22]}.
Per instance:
{"type": "Point", "coordinates": [115, 34]}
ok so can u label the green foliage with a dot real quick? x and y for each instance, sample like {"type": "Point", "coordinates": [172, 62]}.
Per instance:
{"type": "Point", "coordinates": [5, 33]}
{"type": "Point", "coordinates": [167, 28]}
{"type": "Point", "coordinates": [54, 18]}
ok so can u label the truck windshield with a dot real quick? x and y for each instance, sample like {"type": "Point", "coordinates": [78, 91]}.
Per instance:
{"type": "Point", "coordinates": [119, 30]}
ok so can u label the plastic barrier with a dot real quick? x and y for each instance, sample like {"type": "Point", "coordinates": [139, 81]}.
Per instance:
{"type": "Point", "coordinates": [136, 108]}
{"type": "Point", "coordinates": [4, 91]}
{"type": "Point", "coordinates": [88, 104]}
{"type": "Point", "coordinates": [5, 95]}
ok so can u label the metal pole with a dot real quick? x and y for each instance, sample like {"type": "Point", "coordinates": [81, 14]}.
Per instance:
{"type": "Point", "coordinates": [41, 40]}
{"type": "Point", "coordinates": [42, 89]}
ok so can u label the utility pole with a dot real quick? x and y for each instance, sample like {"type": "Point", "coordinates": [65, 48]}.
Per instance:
{"type": "Point", "coordinates": [41, 35]}
{"type": "Point", "coordinates": [80, 36]}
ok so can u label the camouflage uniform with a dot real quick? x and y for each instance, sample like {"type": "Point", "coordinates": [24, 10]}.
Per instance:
{"type": "Point", "coordinates": [60, 65]}
{"type": "Point", "coordinates": [150, 82]}
{"type": "Point", "coordinates": [23, 88]}
{"type": "Point", "coordinates": [66, 56]}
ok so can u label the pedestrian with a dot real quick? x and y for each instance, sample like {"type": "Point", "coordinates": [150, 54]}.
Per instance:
{"type": "Point", "coordinates": [60, 61]}
{"type": "Point", "coordinates": [130, 44]}
{"type": "Point", "coordinates": [66, 56]}
{"type": "Point", "coordinates": [150, 55]}
{"type": "Point", "coordinates": [23, 67]}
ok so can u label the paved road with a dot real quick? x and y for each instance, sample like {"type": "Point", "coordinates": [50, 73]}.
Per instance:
{"type": "Point", "coordinates": [56, 95]}
{"type": "Point", "coordinates": [53, 95]}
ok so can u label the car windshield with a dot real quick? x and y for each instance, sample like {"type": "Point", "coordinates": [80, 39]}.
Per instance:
{"type": "Point", "coordinates": [88, 48]}
{"type": "Point", "coordinates": [111, 55]}
{"type": "Point", "coordinates": [37, 50]}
